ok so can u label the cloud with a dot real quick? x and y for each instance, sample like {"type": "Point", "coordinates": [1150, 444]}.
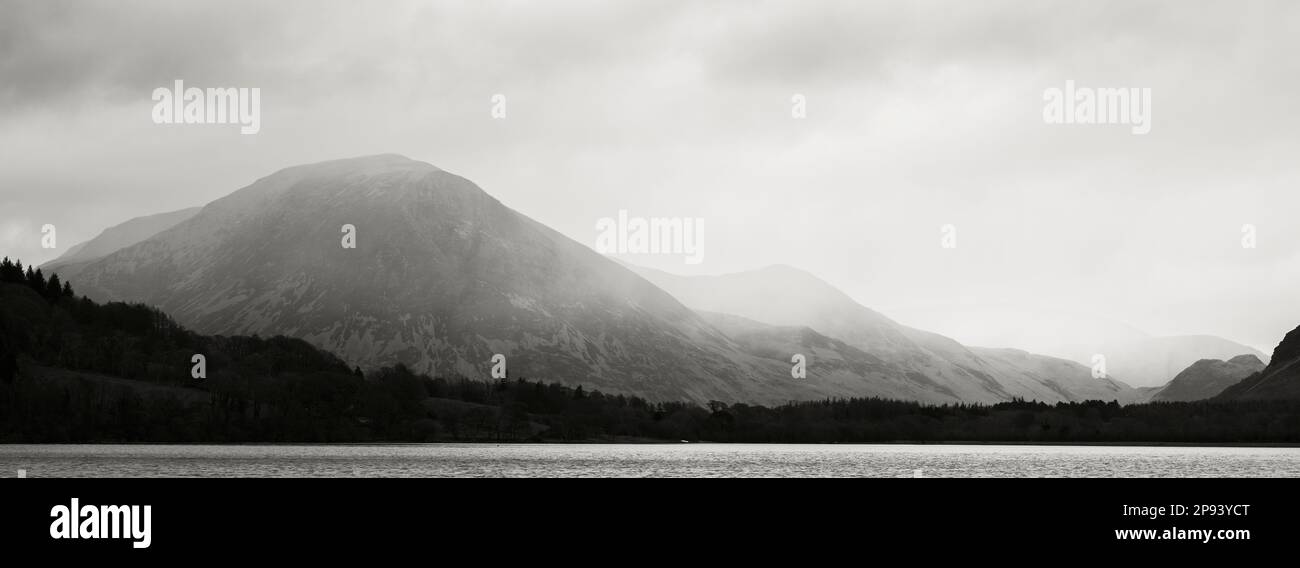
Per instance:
{"type": "Point", "coordinates": [920, 113]}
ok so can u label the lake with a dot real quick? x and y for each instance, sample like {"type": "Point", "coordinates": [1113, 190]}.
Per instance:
{"type": "Point", "coordinates": [644, 460]}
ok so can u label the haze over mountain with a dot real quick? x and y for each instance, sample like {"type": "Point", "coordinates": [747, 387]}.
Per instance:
{"type": "Point", "coordinates": [941, 374]}
{"type": "Point", "coordinates": [1208, 377]}
{"type": "Point", "coordinates": [1141, 359]}
{"type": "Point", "coordinates": [785, 296]}
{"type": "Point", "coordinates": [119, 237]}
{"type": "Point", "coordinates": [1279, 380]}
{"type": "Point", "coordinates": [1155, 361]}
{"type": "Point", "coordinates": [1055, 217]}
{"type": "Point", "coordinates": [444, 276]}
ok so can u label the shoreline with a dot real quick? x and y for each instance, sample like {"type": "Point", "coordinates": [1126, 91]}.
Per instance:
{"type": "Point", "coordinates": [670, 443]}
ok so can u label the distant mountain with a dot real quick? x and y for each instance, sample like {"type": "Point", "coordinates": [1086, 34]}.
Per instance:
{"type": "Point", "coordinates": [1279, 380]}
{"type": "Point", "coordinates": [119, 237]}
{"type": "Point", "coordinates": [1059, 333]}
{"type": "Point", "coordinates": [1145, 393]}
{"type": "Point", "coordinates": [1157, 360]}
{"type": "Point", "coordinates": [1068, 379]}
{"type": "Point", "coordinates": [1208, 377]}
{"type": "Point", "coordinates": [785, 296]}
{"type": "Point", "coordinates": [832, 361]}
{"type": "Point", "coordinates": [1139, 358]}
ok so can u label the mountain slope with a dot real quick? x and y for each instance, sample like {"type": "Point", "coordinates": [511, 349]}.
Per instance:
{"type": "Point", "coordinates": [1143, 360]}
{"type": "Point", "coordinates": [1045, 376]}
{"type": "Point", "coordinates": [1155, 361]}
{"type": "Point", "coordinates": [832, 363]}
{"type": "Point", "coordinates": [785, 296]}
{"type": "Point", "coordinates": [1208, 377]}
{"type": "Point", "coordinates": [443, 277]}
{"type": "Point", "coordinates": [1279, 380]}
{"type": "Point", "coordinates": [120, 236]}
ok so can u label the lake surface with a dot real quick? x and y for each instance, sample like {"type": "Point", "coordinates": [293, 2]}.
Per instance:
{"type": "Point", "coordinates": [643, 460]}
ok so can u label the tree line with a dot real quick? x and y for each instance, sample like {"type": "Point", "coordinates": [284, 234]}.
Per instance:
{"type": "Point", "coordinates": [74, 370]}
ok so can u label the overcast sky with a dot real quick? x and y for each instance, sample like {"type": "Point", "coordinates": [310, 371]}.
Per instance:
{"type": "Point", "coordinates": [919, 114]}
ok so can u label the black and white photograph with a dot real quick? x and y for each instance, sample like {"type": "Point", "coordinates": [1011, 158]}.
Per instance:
{"type": "Point", "coordinates": [891, 239]}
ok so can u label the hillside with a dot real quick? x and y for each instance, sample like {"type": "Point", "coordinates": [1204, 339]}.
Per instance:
{"type": "Point", "coordinates": [1209, 377]}
{"type": "Point", "coordinates": [1280, 380]}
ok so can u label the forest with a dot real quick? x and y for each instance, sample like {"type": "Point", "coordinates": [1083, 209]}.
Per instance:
{"type": "Point", "coordinates": [74, 370]}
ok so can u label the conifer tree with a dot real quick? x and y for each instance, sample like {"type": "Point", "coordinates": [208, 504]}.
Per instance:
{"type": "Point", "coordinates": [54, 288]}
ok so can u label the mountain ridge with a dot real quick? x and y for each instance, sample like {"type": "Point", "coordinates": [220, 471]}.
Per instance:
{"type": "Point", "coordinates": [444, 276]}
{"type": "Point", "coordinates": [1207, 378]}
{"type": "Point", "coordinates": [1141, 358]}
{"type": "Point", "coordinates": [120, 236]}
{"type": "Point", "coordinates": [1279, 380]}
{"type": "Point", "coordinates": [783, 295]}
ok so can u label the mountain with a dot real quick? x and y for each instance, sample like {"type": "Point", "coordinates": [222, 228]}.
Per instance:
{"type": "Point", "coordinates": [119, 237]}
{"type": "Point", "coordinates": [443, 277]}
{"type": "Point", "coordinates": [831, 361]}
{"type": "Point", "coordinates": [786, 296]}
{"type": "Point", "coordinates": [1059, 333]}
{"type": "Point", "coordinates": [1067, 380]}
{"type": "Point", "coordinates": [1155, 361]}
{"type": "Point", "coordinates": [782, 296]}
{"type": "Point", "coordinates": [1279, 380]}
{"type": "Point", "coordinates": [1208, 377]}
{"type": "Point", "coordinates": [1142, 359]}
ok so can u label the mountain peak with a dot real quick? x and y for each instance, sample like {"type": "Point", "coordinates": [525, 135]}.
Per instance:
{"type": "Point", "coordinates": [1289, 348]}
{"type": "Point", "coordinates": [372, 176]}
{"type": "Point", "coordinates": [441, 277]}
{"type": "Point", "coordinates": [784, 269]}
{"type": "Point", "coordinates": [1207, 378]}
{"type": "Point", "coordinates": [375, 163]}
{"type": "Point", "coordinates": [385, 158]}
{"type": "Point", "coordinates": [1246, 360]}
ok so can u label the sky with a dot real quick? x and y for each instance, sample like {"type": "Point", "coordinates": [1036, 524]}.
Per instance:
{"type": "Point", "coordinates": [918, 114]}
